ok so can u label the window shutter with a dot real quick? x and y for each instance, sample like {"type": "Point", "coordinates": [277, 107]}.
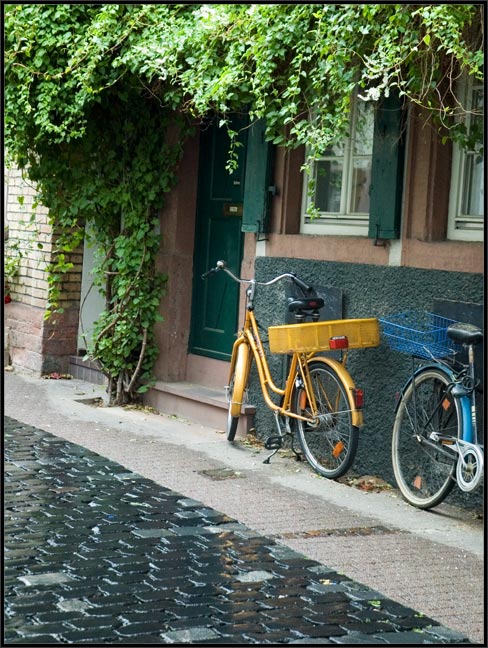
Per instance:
{"type": "Point", "coordinates": [387, 171]}
{"type": "Point", "coordinates": [257, 189]}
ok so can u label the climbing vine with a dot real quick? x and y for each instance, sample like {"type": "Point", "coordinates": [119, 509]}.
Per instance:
{"type": "Point", "coordinates": [99, 99]}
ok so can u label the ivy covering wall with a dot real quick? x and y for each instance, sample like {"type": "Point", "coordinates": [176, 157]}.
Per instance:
{"type": "Point", "coordinates": [91, 91]}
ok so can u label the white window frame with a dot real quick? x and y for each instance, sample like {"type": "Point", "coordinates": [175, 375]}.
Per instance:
{"type": "Point", "coordinates": [344, 222]}
{"type": "Point", "coordinates": [473, 229]}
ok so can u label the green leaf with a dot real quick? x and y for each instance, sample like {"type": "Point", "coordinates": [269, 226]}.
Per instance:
{"type": "Point", "coordinates": [143, 389]}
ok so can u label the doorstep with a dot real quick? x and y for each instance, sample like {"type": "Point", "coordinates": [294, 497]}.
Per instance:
{"type": "Point", "coordinates": [197, 403]}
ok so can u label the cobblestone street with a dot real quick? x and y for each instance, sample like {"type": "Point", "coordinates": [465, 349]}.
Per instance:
{"type": "Point", "coordinates": [95, 553]}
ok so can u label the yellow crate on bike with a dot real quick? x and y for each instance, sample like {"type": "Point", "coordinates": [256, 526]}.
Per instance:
{"type": "Point", "coordinates": [315, 336]}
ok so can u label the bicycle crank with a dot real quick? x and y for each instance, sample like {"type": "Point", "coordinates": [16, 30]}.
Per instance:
{"type": "Point", "coordinates": [469, 469]}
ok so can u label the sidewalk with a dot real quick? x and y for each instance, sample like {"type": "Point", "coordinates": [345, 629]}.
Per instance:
{"type": "Point", "coordinates": [431, 562]}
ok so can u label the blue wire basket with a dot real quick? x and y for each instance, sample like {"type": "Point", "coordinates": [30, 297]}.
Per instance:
{"type": "Point", "coordinates": [419, 333]}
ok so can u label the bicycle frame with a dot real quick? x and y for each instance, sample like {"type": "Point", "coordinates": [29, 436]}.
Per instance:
{"type": "Point", "coordinates": [318, 395]}
{"type": "Point", "coordinates": [299, 364]}
{"type": "Point", "coordinates": [468, 405]}
{"type": "Point", "coordinates": [250, 335]}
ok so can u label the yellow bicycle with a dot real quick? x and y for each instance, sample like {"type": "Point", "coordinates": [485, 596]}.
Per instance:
{"type": "Point", "coordinates": [319, 400]}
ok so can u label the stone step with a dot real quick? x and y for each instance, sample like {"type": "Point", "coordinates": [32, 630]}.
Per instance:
{"type": "Point", "coordinates": [86, 370]}
{"type": "Point", "coordinates": [197, 403]}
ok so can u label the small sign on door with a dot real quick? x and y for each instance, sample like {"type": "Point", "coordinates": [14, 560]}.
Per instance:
{"type": "Point", "coordinates": [232, 209]}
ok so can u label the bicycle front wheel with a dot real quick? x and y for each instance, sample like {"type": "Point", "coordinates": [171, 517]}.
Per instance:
{"type": "Point", "coordinates": [330, 442]}
{"type": "Point", "coordinates": [424, 433]}
{"type": "Point", "coordinates": [237, 386]}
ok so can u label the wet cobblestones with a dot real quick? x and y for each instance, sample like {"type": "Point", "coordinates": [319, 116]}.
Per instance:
{"type": "Point", "coordinates": [96, 554]}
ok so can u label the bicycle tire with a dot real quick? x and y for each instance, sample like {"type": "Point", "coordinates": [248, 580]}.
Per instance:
{"type": "Point", "coordinates": [424, 468]}
{"type": "Point", "coordinates": [237, 385]}
{"type": "Point", "coordinates": [330, 446]}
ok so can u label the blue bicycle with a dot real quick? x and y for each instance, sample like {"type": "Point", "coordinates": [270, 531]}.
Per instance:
{"type": "Point", "coordinates": [435, 436]}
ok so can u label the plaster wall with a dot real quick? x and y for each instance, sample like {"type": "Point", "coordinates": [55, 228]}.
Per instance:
{"type": "Point", "coordinates": [368, 291]}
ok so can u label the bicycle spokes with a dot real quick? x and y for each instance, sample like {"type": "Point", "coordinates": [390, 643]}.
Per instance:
{"type": "Point", "coordinates": [328, 438]}
{"type": "Point", "coordinates": [324, 423]}
{"type": "Point", "coordinates": [424, 439]}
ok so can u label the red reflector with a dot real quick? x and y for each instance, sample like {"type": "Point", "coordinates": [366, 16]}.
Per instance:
{"type": "Point", "coordinates": [358, 397]}
{"type": "Point", "coordinates": [339, 342]}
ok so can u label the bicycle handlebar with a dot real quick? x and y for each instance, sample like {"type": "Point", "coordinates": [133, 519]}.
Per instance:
{"type": "Point", "coordinates": [221, 265]}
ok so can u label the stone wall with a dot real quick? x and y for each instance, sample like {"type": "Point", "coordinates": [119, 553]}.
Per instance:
{"type": "Point", "coordinates": [368, 291]}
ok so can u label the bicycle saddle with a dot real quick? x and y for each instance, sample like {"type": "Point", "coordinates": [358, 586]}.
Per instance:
{"type": "Point", "coordinates": [465, 333]}
{"type": "Point", "coordinates": [306, 303]}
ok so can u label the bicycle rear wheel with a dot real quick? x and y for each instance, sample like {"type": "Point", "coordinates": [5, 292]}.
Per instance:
{"type": "Point", "coordinates": [330, 444]}
{"type": "Point", "coordinates": [423, 444]}
{"type": "Point", "coordinates": [237, 385]}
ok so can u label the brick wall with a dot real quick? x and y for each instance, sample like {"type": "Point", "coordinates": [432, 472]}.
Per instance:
{"type": "Point", "coordinates": [25, 238]}
{"type": "Point", "coordinates": [34, 344]}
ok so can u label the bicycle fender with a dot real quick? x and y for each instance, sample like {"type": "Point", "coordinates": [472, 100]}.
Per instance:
{"type": "Point", "coordinates": [240, 340]}
{"type": "Point", "coordinates": [345, 378]}
{"type": "Point", "coordinates": [432, 365]}
{"type": "Point", "coordinates": [418, 371]}
{"type": "Point", "coordinates": [242, 366]}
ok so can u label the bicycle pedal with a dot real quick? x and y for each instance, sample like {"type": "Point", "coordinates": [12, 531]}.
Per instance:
{"type": "Point", "coordinates": [273, 443]}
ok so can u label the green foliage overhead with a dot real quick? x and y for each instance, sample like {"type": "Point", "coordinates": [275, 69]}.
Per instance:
{"type": "Point", "coordinates": [91, 89]}
{"type": "Point", "coordinates": [288, 63]}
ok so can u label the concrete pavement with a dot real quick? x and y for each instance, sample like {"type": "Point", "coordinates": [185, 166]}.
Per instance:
{"type": "Point", "coordinates": [430, 562]}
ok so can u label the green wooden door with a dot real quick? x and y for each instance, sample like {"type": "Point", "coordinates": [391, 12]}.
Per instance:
{"type": "Point", "coordinates": [215, 301]}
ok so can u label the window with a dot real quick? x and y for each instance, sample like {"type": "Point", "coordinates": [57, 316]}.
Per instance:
{"type": "Point", "coordinates": [466, 214]}
{"type": "Point", "coordinates": [358, 185]}
{"type": "Point", "coordinates": [342, 179]}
